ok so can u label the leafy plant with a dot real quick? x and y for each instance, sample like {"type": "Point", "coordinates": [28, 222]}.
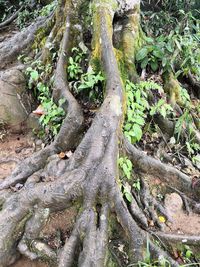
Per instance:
{"type": "Point", "coordinates": [6, 9]}
{"type": "Point", "coordinates": [126, 165]}
{"type": "Point", "coordinates": [137, 185]}
{"type": "Point", "coordinates": [161, 107]}
{"type": "Point", "coordinates": [29, 13]}
{"type": "Point", "coordinates": [90, 82]}
{"type": "Point", "coordinates": [36, 73]}
{"type": "Point", "coordinates": [184, 123]}
{"type": "Point", "coordinates": [138, 108]}
{"type": "Point", "coordinates": [152, 54]}
{"type": "Point", "coordinates": [90, 79]}
{"type": "Point", "coordinates": [126, 190]}
{"type": "Point", "coordinates": [74, 64]}
{"type": "Point", "coordinates": [53, 116]}
{"type": "Point", "coordinates": [178, 47]}
{"type": "Point", "coordinates": [74, 69]}
{"type": "Point", "coordinates": [137, 104]}
{"type": "Point", "coordinates": [24, 17]}
{"type": "Point", "coordinates": [46, 10]}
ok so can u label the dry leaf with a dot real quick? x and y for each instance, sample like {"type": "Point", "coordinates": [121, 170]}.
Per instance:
{"type": "Point", "coordinates": [39, 110]}
{"type": "Point", "coordinates": [162, 219]}
{"type": "Point", "coordinates": [62, 155]}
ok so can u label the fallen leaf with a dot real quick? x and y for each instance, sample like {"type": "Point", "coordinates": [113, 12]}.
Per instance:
{"type": "Point", "coordinates": [162, 219]}
{"type": "Point", "coordinates": [39, 110]}
{"type": "Point", "coordinates": [62, 155]}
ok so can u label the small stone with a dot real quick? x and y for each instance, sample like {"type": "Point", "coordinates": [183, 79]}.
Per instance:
{"type": "Point", "coordinates": [173, 203]}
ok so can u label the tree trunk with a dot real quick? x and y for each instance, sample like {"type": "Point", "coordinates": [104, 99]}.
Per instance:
{"type": "Point", "coordinates": [89, 179]}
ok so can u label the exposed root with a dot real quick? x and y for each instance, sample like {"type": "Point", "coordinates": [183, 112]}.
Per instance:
{"type": "Point", "coordinates": [150, 205]}
{"type": "Point", "coordinates": [195, 84]}
{"type": "Point", "coordinates": [166, 173]}
{"type": "Point", "coordinates": [89, 176]}
{"type": "Point", "coordinates": [138, 214]}
{"type": "Point", "coordinates": [69, 131]}
{"type": "Point", "coordinates": [193, 240]}
{"type": "Point", "coordinates": [12, 48]}
{"type": "Point", "coordinates": [11, 18]}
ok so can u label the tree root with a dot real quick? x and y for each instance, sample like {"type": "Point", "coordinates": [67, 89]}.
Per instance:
{"type": "Point", "coordinates": [195, 84]}
{"type": "Point", "coordinates": [11, 18]}
{"type": "Point", "coordinates": [70, 129]}
{"type": "Point", "coordinates": [21, 41]}
{"type": "Point", "coordinates": [193, 240]}
{"type": "Point", "coordinates": [89, 176]}
{"type": "Point", "coordinates": [164, 172]}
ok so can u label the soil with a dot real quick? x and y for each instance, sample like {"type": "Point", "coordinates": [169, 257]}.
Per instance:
{"type": "Point", "coordinates": [14, 148]}
{"type": "Point", "coordinates": [181, 222]}
{"type": "Point", "coordinates": [24, 262]}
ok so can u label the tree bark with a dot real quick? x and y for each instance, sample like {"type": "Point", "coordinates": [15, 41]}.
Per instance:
{"type": "Point", "coordinates": [90, 177]}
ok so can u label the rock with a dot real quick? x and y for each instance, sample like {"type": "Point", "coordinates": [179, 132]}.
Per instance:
{"type": "Point", "coordinates": [14, 100]}
{"type": "Point", "coordinates": [173, 203]}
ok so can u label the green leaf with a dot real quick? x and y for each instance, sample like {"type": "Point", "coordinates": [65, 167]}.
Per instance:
{"type": "Point", "coordinates": [154, 66]}
{"type": "Point", "coordinates": [137, 131]}
{"type": "Point", "coordinates": [128, 196]}
{"type": "Point", "coordinates": [139, 121]}
{"type": "Point", "coordinates": [163, 111]}
{"type": "Point", "coordinates": [178, 45]}
{"type": "Point", "coordinates": [34, 75]}
{"type": "Point", "coordinates": [164, 61]}
{"type": "Point", "coordinates": [149, 39]}
{"type": "Point", "coordinates": [83, 86]}
{"type": "Point", "coordinates": [158, 53]}
{"type": "Point", "coordinates": [129, 164]}
{"type": "Point", "coordinates": [188, 254]}
{"type": "Point", "coordinates": [169, 48]}
{"type": "Point", "coordinates": [137, 96]}
{"type": "Point", "coordinates": [128, 126]}
{"type": "Point", "coordinates": [144, 62]}
{"type": "Point", "coordinates": [141, 54]}
{"type": "Point", "coordinates": [71, 61]}
{"type": "Point", "coordinates": [125, 170]}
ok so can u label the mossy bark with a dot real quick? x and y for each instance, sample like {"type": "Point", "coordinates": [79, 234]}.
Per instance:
{"type": "Point", "coordinates": [132, 40]}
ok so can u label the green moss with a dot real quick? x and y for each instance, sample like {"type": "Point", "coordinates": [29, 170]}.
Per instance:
{"type": "Point", "coordinates": [40, 39]}
{"type": "Point", "coordinates": [98, 13]}
{"type": "Point", "coordinates": [172, 88]}
{"type": "Point", "coordinates": [19, 229]}
{"type": "Point", "coordinates": [132, 40]}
